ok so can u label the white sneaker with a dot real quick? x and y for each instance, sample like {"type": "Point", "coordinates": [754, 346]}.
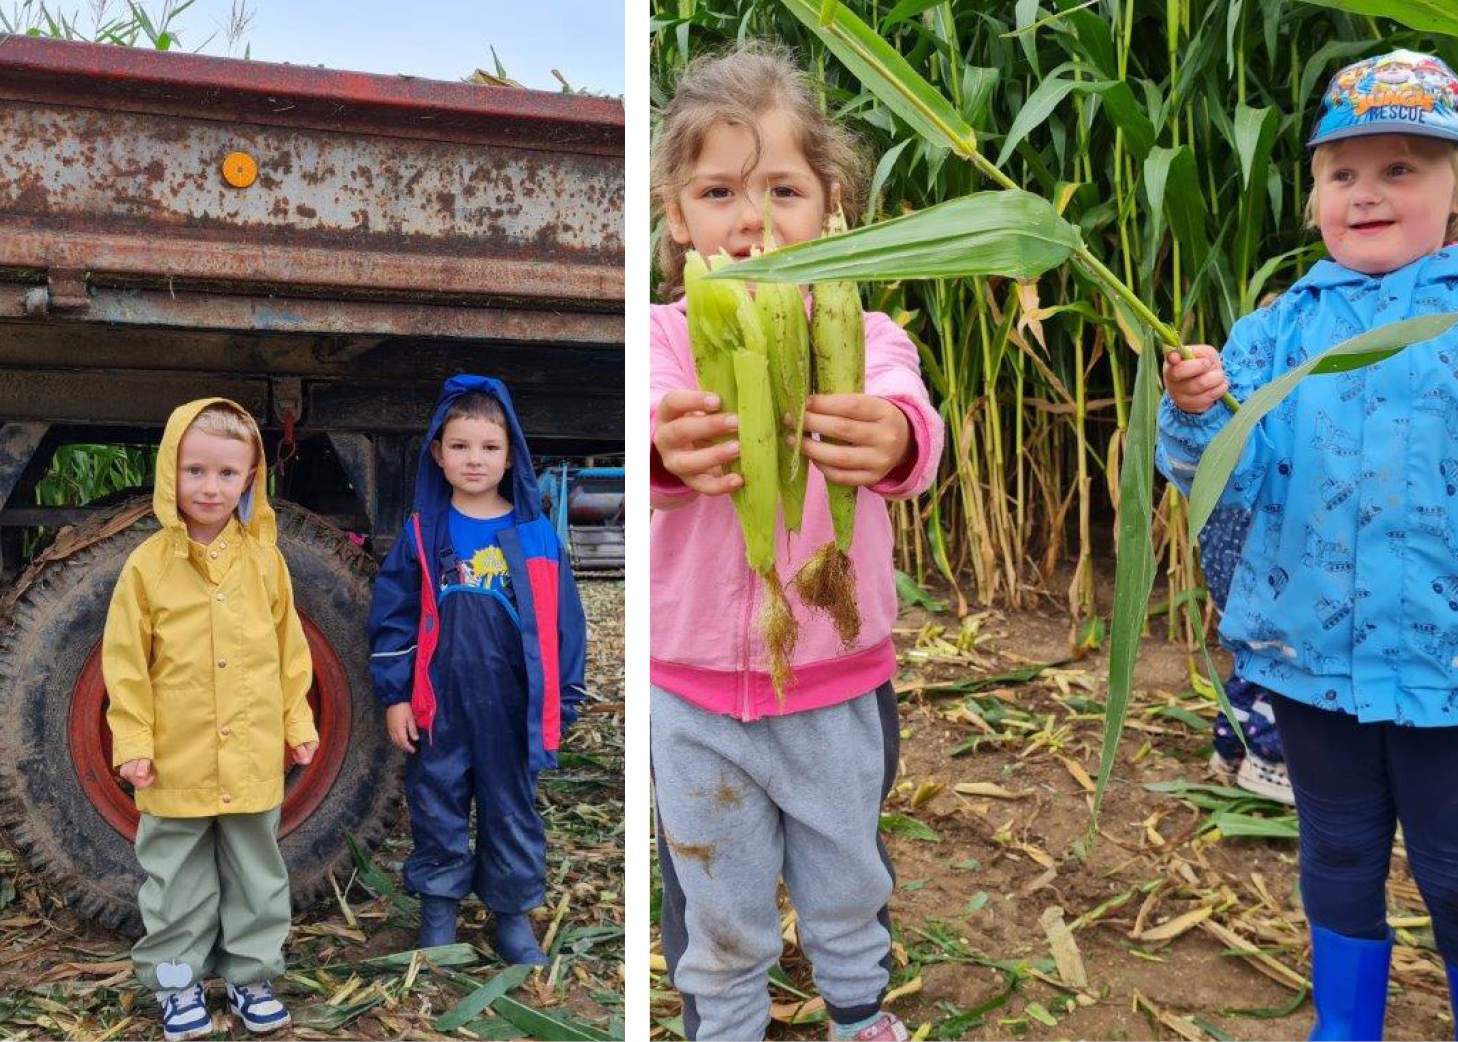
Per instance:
{"type": "Point", "coordinates": [185, 1014]}
{"type": "Point", "coordinates": [256, 1006]}
{"type": "Point", "coordinates": [1266, 778]}
{"type": "Point", "coordinates": [1222, 767]}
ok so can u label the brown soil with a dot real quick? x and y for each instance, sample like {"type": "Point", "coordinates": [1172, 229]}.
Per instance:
{"type": "Point", "coordinates": [62, 977]}
{"type": "Point", "coordinates": [1001, 863]}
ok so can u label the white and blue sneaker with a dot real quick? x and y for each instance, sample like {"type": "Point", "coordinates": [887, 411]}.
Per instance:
{"type": "Point", "coordinates": [256, 1006]}
{"type": "Point", "coordinates": [185, 1014]}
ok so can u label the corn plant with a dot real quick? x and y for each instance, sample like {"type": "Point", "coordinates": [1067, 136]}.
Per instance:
{"type": "Point", "coordinates": [1159, 179]}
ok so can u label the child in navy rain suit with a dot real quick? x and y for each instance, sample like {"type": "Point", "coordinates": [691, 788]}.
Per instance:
{"type": "Point", "coordinates": [478, 655]}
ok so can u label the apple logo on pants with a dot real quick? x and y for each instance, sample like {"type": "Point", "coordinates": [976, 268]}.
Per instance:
{"type": "Point", "coordinates": [174, 975]}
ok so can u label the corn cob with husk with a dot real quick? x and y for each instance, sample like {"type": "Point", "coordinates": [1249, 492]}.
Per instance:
{"type": "Point", "coordinates": [787, 337]}
{"type": "Point", "coordinates": [731, 359]}
{"type": "Point", "coordinates": [838, 341]}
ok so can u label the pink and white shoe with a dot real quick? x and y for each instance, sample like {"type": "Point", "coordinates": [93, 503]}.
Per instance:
{"type": "Point", "coordinates": [887, 1028]}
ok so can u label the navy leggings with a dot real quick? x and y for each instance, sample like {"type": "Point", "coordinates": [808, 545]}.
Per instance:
{"type": "Point", "coordinates": [1353, 783]}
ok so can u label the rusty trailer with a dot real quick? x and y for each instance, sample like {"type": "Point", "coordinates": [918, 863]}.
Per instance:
{"type": "Point", "coordinates": [324, 247]}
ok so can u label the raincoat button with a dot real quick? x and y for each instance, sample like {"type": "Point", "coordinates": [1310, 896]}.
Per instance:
{"type": "Point", "coordinates": [226, 731]}
{"type": "Point", "coordinates": [222, 663]}
{"type": "Point", "coordinates": [212, 553]}
{"type": "Point", "coordinates": [222, 546]}
{"type": "Point", "coordinates": [227, 798]}
{"type": "Point", "coordinates": [220, 596]}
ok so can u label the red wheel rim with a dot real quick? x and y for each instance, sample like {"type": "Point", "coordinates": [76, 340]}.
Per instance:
{"type": "Point", "coordinates": [304, 787]}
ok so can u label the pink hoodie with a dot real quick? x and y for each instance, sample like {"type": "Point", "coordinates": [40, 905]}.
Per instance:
{"type": "Point", "coordinates": [705, 644]}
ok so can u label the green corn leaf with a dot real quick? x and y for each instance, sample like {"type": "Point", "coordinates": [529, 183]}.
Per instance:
{"type": "Point", "coordinates": [901, 825]}
{"type": "Point", "coordinates": [376, 881]}
{"type": "Point", "coordinates": [1255, 135]}
{"type": "Point", "coordinates": [912, 595]}
{"type": "Point", "coordinates": [1233, 824]}
{"type": "Point", "coordinates": [1224, 451]}
{"type": "Point", "coordinates": [541, 1025]}
{"type": "Point", "coordinates": [1438, 16]}
{"type": "Point", "coordinates": [1012, 233]}
{"type": "Point", "coordinates": [1173, 182]}
{"type": "Point", "coordinates": [1124, 110]}
{"type": "Point", "coordinates": [1213, 675]}
{"type": "Point", "coordinates": [475, 1003]}
{"type": "Point", "coordinates": [1135, 567]}
{"type": "Point", "coordinates": [889, 76]}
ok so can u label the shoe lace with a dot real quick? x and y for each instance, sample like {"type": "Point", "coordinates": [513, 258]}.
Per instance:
{"type": "Point", "coordinates": [251, 993]}
{"type": "Point", "coordinates": [179, 999]}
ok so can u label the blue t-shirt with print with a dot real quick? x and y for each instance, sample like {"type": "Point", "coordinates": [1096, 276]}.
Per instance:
{"type": "Point", "coordinates": [479, 560]}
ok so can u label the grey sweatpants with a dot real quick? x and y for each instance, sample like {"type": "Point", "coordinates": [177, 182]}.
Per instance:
{"type": "Point", "coordinates": [741, 805]}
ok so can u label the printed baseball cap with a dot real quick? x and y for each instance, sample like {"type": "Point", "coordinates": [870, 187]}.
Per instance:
{"type": "Point", "coordinates": [1403, 92]}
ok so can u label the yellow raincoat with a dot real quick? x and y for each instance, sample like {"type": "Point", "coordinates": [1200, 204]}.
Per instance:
{"type": "Point", "coordinates": [205, 661]}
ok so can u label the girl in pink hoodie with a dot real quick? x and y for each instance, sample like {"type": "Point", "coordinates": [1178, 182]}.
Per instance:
{"type": "Point", "coordinates": [748, 790]}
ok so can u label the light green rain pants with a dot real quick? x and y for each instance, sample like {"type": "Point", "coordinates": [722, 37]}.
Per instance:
{"type": "Point", "coordinates": [216, 900]}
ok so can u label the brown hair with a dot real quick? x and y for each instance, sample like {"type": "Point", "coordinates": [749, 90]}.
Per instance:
{"type": "Point", "coordinates": [740, 86]}
{"type": "Point", "coordinates": [1322, 155]}
{"type": "Point", "coordinates": [475, 405]}
{"type": "Point", "coordinates": [224, 420]}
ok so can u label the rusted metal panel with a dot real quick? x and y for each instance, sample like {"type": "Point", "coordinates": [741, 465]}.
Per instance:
{"type": "Point", "coordinates": [565, 369]}
{"type": "Point", "coordinates": [406, 406]}
{"type": "Point", "coordinates": [221, 311]}
{"type": "Point", "coordinates": [141, 399]}
{"type": "Point", "coordinates": [136, 80]}
{"type": "Point", "coordinates": [143, 196]}
{"type": "Point", "coordinates": [146, 398]}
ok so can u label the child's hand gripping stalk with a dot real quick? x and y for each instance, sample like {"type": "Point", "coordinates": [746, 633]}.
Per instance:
{"type": "Point", "coordinates": [1197, 382]}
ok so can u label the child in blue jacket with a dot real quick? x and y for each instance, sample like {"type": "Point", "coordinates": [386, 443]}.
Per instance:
{"type": "Point", "coordinates": [479, 646]}
{"type": "Point", "coordinates": [1345, 603]}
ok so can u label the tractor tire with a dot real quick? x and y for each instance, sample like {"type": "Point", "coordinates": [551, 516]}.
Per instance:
{"type": "Point", "coordinates": [63, 806]}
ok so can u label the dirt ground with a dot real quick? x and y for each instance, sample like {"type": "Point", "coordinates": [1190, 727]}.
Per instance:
{"type": "Point", "coordinates": [61, 977]}
{"type": "Point", "coordinates": [1177, 930]}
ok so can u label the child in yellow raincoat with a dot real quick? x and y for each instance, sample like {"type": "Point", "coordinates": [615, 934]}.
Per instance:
{"type": "Point", "coordinates": [207, 670]}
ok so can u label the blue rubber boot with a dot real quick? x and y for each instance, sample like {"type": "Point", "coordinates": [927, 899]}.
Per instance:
{"type": "Point", "coordinates": [1348, 985]}
{"type": "Point", "coordinates": [515, 940]}
{"type": "Point", "coordinates": [437, 921]}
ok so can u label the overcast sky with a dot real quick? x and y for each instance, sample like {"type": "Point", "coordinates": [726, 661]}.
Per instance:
{"type": "Point", "coordinates": [439, 39]}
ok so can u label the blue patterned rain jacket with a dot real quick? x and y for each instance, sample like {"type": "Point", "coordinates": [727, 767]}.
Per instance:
{"type": "Point", "coordinates": [1346, 596]}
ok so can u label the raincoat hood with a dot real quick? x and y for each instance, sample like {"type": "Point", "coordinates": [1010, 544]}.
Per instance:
{"type": "Point", "coordinates": [254, 511]}
{"type": "Point", "coordinates": [519, 485]}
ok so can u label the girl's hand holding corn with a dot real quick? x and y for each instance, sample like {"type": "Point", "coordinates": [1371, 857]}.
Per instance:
{"type": "Point", "coordinates": [1197, 383]}
{"type": "Point", "coordinates": [685, 438]}
{"type": "Point", "coordinates": [863, 437]}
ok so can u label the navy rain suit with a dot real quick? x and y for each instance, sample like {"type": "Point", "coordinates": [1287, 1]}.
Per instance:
{"type": "Point", "coordinates": [506, 680]}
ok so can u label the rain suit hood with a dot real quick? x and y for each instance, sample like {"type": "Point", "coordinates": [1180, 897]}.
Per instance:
{"type": "Point", "coordinates": [433, 492]}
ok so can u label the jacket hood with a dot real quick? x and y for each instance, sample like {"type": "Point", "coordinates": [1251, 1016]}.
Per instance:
{"type": "Point", "coordinates": [433, 492]}
{"type": "Point", "coordinates": [254, 511]}
{"type": "Point", "coordinates": [1441, 266]}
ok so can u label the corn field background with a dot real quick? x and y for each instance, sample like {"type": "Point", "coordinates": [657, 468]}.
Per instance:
{"type": "Point", "coordinates": [1173, 135]}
